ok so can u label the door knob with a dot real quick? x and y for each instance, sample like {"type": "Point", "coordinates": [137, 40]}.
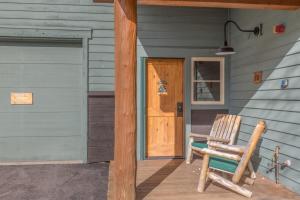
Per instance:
{"type": "Point", "coordinates": [179, 109]}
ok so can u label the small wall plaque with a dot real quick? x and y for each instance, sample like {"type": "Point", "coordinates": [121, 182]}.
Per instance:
{"type": "Point", "coordinates": [21, 98]}
{"type": "Point", "coordinates": [284, 83]}
{"type": "Point", "coordinates": [257, 77]}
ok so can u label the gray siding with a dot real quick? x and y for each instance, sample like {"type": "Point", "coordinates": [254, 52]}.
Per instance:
{"type": "Point", "coordinates": [278, 56]}
{"type": "Point", "coordinates": [161, 33]}
{"type": "Point", "coordinates": [176, 32]}
{"type": "Point", "coordinates": [51, 128]}
{"type": "Point", "coordinates": [72, 14]}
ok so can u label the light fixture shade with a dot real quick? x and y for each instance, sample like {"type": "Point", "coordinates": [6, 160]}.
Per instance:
{"type": "Point", "coordinates": [226, 50]}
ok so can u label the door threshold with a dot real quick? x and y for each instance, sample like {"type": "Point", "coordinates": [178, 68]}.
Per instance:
{"type": "Point", "coordinates": [164, 158]}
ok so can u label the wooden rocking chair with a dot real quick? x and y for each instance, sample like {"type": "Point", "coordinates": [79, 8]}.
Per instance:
{"type": "Point", "coordinates": [224, 130]}
{"type": "Point", "coordinates": [231, 159]}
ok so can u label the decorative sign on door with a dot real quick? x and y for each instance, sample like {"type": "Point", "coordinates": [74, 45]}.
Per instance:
{"type": "Point", "coordinates": [162, 87]}
{"type": "Point", "coordinates": [21, 98]}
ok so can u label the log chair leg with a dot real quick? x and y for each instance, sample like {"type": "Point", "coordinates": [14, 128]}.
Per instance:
{"type": "Point", "coordinates": [230, 185]}
{"type": "Point", "coordinates": [251, 170]}
{"type": "Point", "coordinates": [203, 175]}
{"type": "Point", "coordinates": [190, 152]}
{"type": "Point", "coordinates": [225, 175]}
{"type": "Point", "coordinates": [247, 180]}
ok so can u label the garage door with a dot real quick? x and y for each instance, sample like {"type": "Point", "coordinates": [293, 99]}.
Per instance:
{"type": "Point", "coordinates": [51, 127]}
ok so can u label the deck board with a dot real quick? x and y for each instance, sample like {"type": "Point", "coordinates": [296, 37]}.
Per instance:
{"type": "Point", "coordinates": [174, 180]}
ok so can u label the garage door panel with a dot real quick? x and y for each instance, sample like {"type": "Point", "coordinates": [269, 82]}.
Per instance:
{"type": "Point", "coordinates": [42, 75]}
{"type": "Point", "coordinates": [40, 124]}
{"type": "Point", "coordinates": [36, 54]}
{"type": "Point", "coordinates": [41, 148]}
{"type": "Point", "coordinates": [44, 100]}
{"type": "Point", "coordinates": [50, 128]}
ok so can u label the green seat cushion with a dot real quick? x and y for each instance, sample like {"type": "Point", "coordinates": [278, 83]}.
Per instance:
{"type": "Point", "coordinates": [200, 145]}
{"type": "Point", "coordinates": [218, 162]}
{"type": "Point", "coordinates": [223, 164]}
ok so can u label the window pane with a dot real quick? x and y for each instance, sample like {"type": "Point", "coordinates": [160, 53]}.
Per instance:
{"type": "Point", "coordinates": [206, 91]}
{"type": "Point", "coordinates": [207, 70]}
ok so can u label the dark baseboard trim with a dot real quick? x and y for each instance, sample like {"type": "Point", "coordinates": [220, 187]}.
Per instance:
{"type": "Point", "coordinates": [101, 94]}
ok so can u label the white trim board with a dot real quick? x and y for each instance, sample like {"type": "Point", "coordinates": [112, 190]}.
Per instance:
{"type": "Point", "coordinates": [45, 32]}
{"type": "Point", "coordinates": [222, 81]}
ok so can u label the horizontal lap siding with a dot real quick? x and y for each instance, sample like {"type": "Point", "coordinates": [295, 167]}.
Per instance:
{"type": "Point", "coordinates": [66, 14]}
{"type": "Point", "coordinates": [158, 30]}
{"type": "Point", "coordinates": [179, 32]}
{"type": "Point", "coordinates": [279, 58]}
{"type": "Point", "coordinates": [162, 32]}
{"type": "Point", "coordinates": [71, 13]}
{"type": "Point", "coordinates": [159, 35]}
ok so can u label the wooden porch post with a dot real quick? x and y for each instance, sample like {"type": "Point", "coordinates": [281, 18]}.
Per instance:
{"type": "Point", "coordinates": [124, 174]}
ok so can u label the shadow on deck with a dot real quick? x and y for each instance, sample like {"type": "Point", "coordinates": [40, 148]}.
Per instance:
{"type": "Point", "coordinates": [174, 180]}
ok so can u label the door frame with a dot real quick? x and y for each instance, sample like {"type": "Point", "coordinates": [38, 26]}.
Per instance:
{"type": "Point", "coordinates": [143, 139]}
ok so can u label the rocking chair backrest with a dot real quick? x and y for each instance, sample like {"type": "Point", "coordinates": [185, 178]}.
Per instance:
{"type": "Point", "coordinates": [226, 127]}
{"type": "Point", "coordinates": [250, 148]}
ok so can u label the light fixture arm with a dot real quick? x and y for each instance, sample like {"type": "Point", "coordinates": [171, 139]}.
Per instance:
{"type": "Point", "coordinates": [256, 31]}
{"type": "Point", "coordinates": [228, 50]}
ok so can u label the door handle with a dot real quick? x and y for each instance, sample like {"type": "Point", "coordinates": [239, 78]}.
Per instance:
{"type": "Point", "coordinates": [179, 109]}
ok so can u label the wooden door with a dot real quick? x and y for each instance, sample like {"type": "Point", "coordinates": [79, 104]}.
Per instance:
{"type": "Point", "coordinates": [164, 108]}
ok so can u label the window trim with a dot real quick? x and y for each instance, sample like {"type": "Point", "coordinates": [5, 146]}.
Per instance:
{"type": "Point", "coordinates": [222, 80]}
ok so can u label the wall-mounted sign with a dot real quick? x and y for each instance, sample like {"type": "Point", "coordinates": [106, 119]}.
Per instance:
{"type": "Point", "coordinates": [257, 77]}
{"type": "Point", "coordinates": [21, 98]}
{"type": "Point", "coordinates": [162, 87]}
{"type": "Point", "coordinates": [284, 83]}
{"type": "Point", "coordinates": [279, 29]}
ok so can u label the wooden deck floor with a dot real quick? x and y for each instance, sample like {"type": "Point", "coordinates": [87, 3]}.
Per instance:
{"type": "Point", "coordinates": [174, 180]}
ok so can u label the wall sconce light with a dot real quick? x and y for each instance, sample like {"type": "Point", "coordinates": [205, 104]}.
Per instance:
{"type": "Point", "coordinates": [228, 50]}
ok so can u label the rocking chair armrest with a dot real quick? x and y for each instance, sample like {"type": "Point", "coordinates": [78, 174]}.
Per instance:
{"type": "Point", "coordinates": [215, 139]}
{"type": "Point", "coordinates": [208, 138]}
{"type": "Point", "coordinates": [196, 135]}
{"type": "Point", "coordinates": [227, 147]}
{"type": "Point", "coordinates": [211, 152]}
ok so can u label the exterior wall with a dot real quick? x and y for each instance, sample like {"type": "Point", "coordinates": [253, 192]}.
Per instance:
{"type": "Point", "coordinates": [162, 32]}
{"type": "Point", "coordinates": [71, 14]}
{"type": "Point", "coordinates": [278, 56]}
{"type": "Point", "coordinates": [202, 120]}
{"type": "Point", "coordinates": [176, 32]}
{"type": "Point", "coordinates": [101, 126]}
{"type": "Point", "coordinates": [63, 19]}
{"type": "Point", "coordinates": [52, 127]}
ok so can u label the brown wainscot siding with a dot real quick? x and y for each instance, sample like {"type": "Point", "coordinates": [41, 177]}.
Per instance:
{"type": "Point", "coordinates": [202, 120]}
{"type": "Point", "coordinates": [101, 126]}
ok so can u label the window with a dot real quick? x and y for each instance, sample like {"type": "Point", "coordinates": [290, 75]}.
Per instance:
{"type": "Point", "coordinates": [208, 80]}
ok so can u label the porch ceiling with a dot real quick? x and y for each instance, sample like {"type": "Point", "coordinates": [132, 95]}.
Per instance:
{"type": "Point", "coordinates": [245, 4]}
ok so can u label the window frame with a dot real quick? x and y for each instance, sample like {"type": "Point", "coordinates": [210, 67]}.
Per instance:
{"type": "Point", "coordinates": [221, 60]}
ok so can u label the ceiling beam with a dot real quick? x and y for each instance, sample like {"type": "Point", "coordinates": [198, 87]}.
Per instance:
{"type": "Point", "coordinates": [243, 4]}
